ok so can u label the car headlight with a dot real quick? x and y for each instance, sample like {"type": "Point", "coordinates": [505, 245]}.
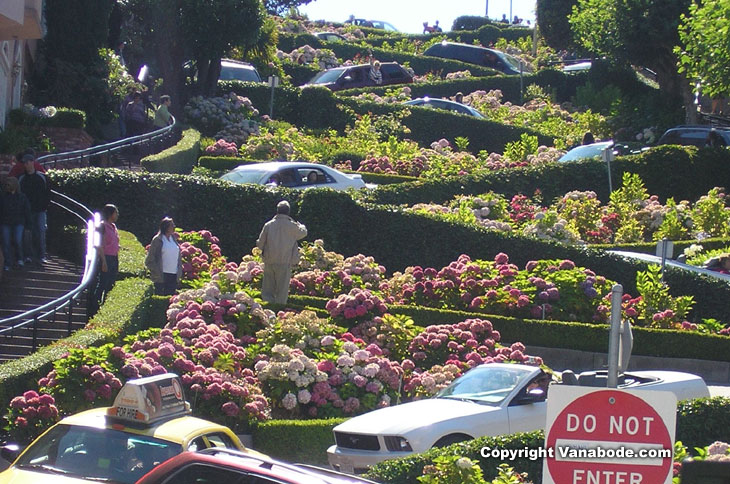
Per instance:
{"type": "Point", "coordinates": [396, 443]}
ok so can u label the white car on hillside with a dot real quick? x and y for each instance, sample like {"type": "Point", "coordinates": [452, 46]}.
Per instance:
{"type": "Point", "coordinates": [294, 174]}
{"type": "Point", "coordinates": [491, 399]}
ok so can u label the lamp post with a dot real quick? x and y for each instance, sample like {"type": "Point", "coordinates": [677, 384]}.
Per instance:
{"type": "Point", "coordinates": [486, 10]}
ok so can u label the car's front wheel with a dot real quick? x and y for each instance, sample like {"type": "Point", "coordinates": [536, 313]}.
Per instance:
{"type": "Point", "coordinates": [451, 439]}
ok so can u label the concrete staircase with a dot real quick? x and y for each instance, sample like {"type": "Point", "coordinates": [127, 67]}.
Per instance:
{"type": "Point", "coordinates": [29, 287]}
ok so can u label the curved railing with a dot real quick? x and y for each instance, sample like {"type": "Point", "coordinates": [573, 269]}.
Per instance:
{"type": "Point", "coordinates": [91, 221]}
{"type": "Point", "coordinates": [80, 158]}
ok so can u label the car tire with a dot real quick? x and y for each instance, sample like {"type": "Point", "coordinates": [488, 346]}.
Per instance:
{"type": "Point", "coordinates": [451, 439]}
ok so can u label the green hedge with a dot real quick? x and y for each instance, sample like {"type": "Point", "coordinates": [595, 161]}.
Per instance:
{"type": "Point", "coordinates": [296, 440]}
{"type": "Point", "coordinates": [687, 174]}
{"type": "Point", "coordinates": [300, 74]}
{"type": "Point", "coordinates": [180, 158]}
{"type": "Point", "coordinates": [419, 63]}
{"type": "Point", "coordinates": [66, 118]}
{"type": "Point", "coordinates": [287, 42]}
{"type": "Point", "coordinates": [286, 98]}
{"type": "Point", "coordinates": [393, 238]}
{"type": "Point", "coordinates": [699, 423]}
{"type": "Point", "coordinates": [562, 85]}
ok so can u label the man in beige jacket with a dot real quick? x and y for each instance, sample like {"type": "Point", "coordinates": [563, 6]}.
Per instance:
{"type": "Point", "coordinates": [278, 244]}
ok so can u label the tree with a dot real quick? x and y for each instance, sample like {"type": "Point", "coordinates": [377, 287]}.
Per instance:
{"type": "Point", "coordinates": [174, 31]}
{"type": "Point", "coordinates": [70, 71]}
{"type": "Point", "coordinates": [639, 32]}
{"type": "Point", "coordinates": [280, 7]}
{"type": "Point", "coordinates": [704, 51]}
{"type": "Point", "coordinates": [552, 20]}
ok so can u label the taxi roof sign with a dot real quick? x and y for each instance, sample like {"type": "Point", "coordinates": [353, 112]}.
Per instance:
{"type": "Point", "coordinates": [150, 399]}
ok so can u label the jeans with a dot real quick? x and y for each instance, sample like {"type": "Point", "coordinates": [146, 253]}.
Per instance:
{"type": "Point", "coordinates": [105, 283]}
{"type": "Point", "coordinates": [38, 229]}
{"type": "Point", "coordinates": [12, 234]}
{"type": "Point", "coordinates": [168, 286]}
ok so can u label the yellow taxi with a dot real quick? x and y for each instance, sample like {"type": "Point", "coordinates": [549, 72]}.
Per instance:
{"type": "Point", "coordinates": [149, 422]}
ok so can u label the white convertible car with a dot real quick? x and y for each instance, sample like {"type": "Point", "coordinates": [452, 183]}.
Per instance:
{"type": "Point", "coordinates": [491, 399]}
{"type": "Point", "coordinates": [294, 174]}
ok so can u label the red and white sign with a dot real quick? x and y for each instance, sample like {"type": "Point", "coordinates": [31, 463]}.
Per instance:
{"type": "Point", "coordinates": [609, 436]}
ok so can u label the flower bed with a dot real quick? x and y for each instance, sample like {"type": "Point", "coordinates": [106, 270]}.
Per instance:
{"type": "Point", "coordinates": [632, 215]}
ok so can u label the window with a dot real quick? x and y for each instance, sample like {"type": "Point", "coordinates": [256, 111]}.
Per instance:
{"type": "Point", "coordinates": [220, 440]}
{"type": "Point", "coordinates": [393, 71]}
{"type": "Point", "coordinates": [207, 474]}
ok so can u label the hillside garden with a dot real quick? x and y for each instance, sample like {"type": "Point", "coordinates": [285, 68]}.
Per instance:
{"type": "Point", "coordinates": [476, 245]}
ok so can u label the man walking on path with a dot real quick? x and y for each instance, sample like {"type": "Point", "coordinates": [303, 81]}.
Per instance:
{"type": "Point", "coordinates": [278, 244]}
{"type": "Point", "coordinates": [34, 185]}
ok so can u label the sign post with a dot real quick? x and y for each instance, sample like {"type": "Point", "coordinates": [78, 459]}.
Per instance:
{"type": "Point", "coordinates": [609, 436]}
{"type": "Point", "coordinates": [273, 82]}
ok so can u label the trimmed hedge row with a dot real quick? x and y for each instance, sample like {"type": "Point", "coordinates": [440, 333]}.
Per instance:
{"type": "Point", "coordinates": [419, 63]}
{"type": "Point", "coordinates": [393, 238]}
{"type": "Point", "coordinates": [687, 174]}
{"type": "Point", "coordinates": [699, 423]}
{"type": "Point", "coordinates": [580, 336]}
{"type": "Point", "coordinates": [300, 74]}
{"type": "Point", "coordinates": [64, 118]}
{"type": "Point", "coordinates": [562, 85]}
{"type": "Point", "coordinates": [180, 158]}
{"type": "Point", "coordinates": [285, 439]}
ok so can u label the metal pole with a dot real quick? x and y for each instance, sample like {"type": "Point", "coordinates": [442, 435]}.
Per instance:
{"type": "Point", "coordinates": [608, 167]}
{"type": "Point", "coordinates": [271, 103]}
{"type": "Point", "coordinates": [614, 335]}
{"type": "Point", "coordinates": [664, 244]}
{"type": "Point", "coordinates": [510, 11]}
{"type": "Point", "coordinates": [486, 10]}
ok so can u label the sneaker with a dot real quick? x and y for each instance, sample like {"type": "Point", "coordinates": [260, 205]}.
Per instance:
{"type": "Point", "coordinates": [7, 268]}
{"type": "Point", "coordinates": [28, 260]}
{"type": "Point", "coordinates": [21, 263]}
{"type": "Point", "coordinates": [44, 260]}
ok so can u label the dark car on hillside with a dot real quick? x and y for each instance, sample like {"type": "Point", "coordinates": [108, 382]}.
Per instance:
{"type": "Point", "coordinates": [348, 77]}
{"type": "Point", "coordinates": [695, 135]}
{"type": "Point", "coordinates": [481, 56]}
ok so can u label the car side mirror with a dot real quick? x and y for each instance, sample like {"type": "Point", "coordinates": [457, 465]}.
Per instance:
{"type": "Point", "coordinates": [10, 452]}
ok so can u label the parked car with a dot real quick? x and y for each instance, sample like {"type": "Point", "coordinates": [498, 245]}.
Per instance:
{"type": "Point", "coordinates": [375, 24]}
{"type": "Point", "coordinates": [577, 66]}
{"type": "Point", "coordinates": [348, 77]}
{"type": "Point", "coordinates": [481, 56]}
{"type": "Point", "coordinates": [233, 70]}
{"type": "Point", "coordinates": [148, 423]}
{"type": "Point", "coordinates": [445, 104]}
{"type": "Point", "coordinates": [693, 135]}
{"type": "Point", "coordinates": [228, 466]}
{"type": "Point", "coordinates": [595, 150]}
{"type": "Point", "coordinates": [294, 174]}
{"type": "Point", "coordinates": [330, 37]}
{"type": "Point", "coordinates": [491, 399]}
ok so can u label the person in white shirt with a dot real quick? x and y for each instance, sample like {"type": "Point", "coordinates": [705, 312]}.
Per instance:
{"type": "Point", "coordinates": [163, 259]}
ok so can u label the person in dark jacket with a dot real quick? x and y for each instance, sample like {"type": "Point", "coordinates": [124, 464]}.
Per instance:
{"type": "Point", "coordinates": [19, 167]}
{"type": "Point", "coordinates": [14, 219]}
{"type": "Point", "coordinates": [36, 187]}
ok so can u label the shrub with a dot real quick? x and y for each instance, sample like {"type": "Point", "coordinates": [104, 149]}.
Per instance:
{"type": "Point", "coordinates": [179, 158]}
{"type": "Point", "coordinates": [66, 118]}
{"type": "Point", "coordinates": [470, 22]}
{"type": "Point", "coordinates": [283, 439]}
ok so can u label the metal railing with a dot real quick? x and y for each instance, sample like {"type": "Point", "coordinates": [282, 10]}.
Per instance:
{"type": "Point", "coordinates": [81, 158]}
{"type": "Point", "coordinates": [92, 222]}
{"type": "Point", "coordinates": [50, 310]}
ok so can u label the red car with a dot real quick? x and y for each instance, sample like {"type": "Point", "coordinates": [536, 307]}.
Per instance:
{"type": "Point", "coordinates": [225, 466]}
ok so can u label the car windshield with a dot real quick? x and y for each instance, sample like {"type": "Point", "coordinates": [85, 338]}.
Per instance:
{"type": "Point", "coordinates": [327, 76]}
{"type": "Point", "coordinates": [231, 73]}
{"type": "Point", "coordinates": [586, 151]}
{"type": "Point", "coordinates": [513, 62]}
{"type": "Point", "coordinates": [485, 384]}
{"type": "Point", "coordinates": [105, 455]}
{"type": "Point", "coordinates": [244, 176]}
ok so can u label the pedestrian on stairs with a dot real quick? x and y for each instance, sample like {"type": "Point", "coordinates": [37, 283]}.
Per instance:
{"type": "Point", "coordinates": [15, 217]}
{"type": "Point", "coordinates": [36, 186]}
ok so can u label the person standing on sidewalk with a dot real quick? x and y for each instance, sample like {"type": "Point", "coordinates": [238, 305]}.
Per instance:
{"type": "Point", "coordinates": [278, 244]}
{"type": "Point", "coordinates": [15, 217]}
{"type": "Point", "coordinates": [36, 187]}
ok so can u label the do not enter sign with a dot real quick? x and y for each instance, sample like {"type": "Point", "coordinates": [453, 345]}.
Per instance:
{"type": "Point", "coordinates": [609, 436]}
